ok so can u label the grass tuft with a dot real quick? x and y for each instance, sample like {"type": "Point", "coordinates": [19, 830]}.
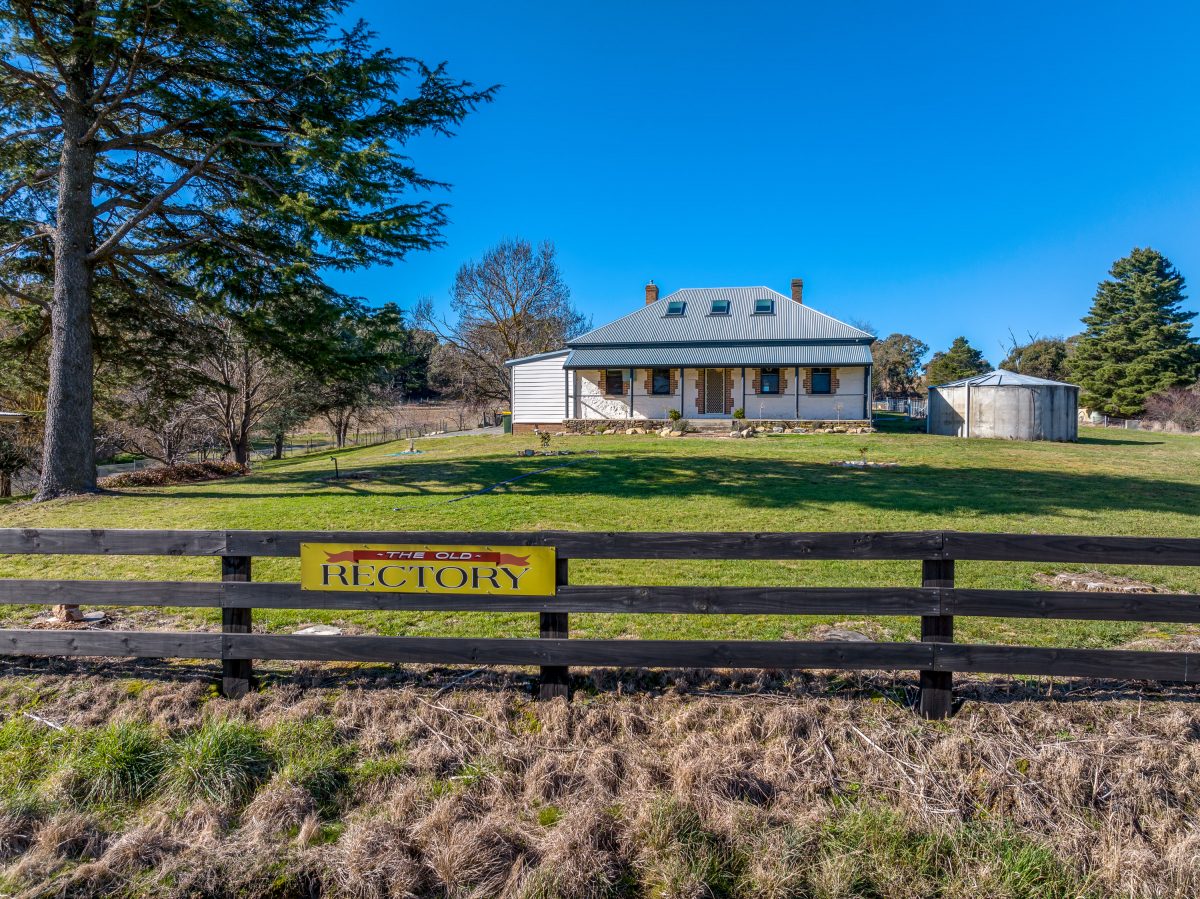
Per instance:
{"type": "Point", "coordinates": [121, 763]}
{"type": "Point", "coordinates": [221, 762]}
{"type": "Point", "coordinates": [681, 857]}
{"type": "Point", "coordinates": [311, 755]}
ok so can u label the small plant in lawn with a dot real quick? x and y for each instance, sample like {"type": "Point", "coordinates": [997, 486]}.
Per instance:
{"type": "Point", "coordinates": [121, 763]}
{"type": "Point", "coordinates": [221, 761]}
{"type": "Point", "coordinates": [544, 437]}
{"type": "Point", "coordinates": [549, 815]}
{"type": "Point", "coordinates": [862, 453]}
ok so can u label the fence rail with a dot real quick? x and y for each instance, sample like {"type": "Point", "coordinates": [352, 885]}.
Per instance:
{"type": "Point", "coordinates": [936, 601]}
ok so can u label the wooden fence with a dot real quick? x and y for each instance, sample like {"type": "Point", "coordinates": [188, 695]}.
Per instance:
{"type": "Point", "coordinates": [937, 601]}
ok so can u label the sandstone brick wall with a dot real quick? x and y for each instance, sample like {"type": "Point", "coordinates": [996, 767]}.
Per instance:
{"type": "Point", "coordinates": [757, 381]}
{"type": "Point", "coordinates": [626, 384]}
{"type": "Point", "coordinates": [649, 382]}
{"type": "Point", "coordinates": [833, 380]}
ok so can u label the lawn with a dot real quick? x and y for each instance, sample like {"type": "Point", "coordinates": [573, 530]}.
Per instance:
{"type": "Point", "coordinates": [1109, 483]}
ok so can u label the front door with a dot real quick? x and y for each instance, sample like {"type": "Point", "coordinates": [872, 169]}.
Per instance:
{"type": "Point", "coordinates": [714, 391]}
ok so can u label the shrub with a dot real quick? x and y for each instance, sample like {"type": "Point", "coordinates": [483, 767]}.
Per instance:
{"type": "Point", "coordinates": [181, 473]}
{"type": "Point", "coordinates": [122, 763]}
{"type": "Point", "coordinates": [739, 413]}
{"type": "Point", "coordinates": [1179, 406]}
{"type": "Point", "coordinates": [674, 415]}
{"type": "Point", "coordinates": [222, 761]}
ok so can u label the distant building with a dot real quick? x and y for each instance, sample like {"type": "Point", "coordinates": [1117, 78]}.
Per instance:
{"type": "Point", "coordinates": [703, 352]}
{"type": "Point", "coordinates": [1005, 404]}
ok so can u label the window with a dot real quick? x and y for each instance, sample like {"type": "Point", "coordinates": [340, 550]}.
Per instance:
{"type": "Point", "coordinates": [660, 382]}
{"type": "Point", "coordinates": [764, 307]}
{"type": "Point", "coordinates": [821, 380]}
{"type": "Point", "coordinates": [614, 382]}
{"type": "Point", "coordinates": [719, 307]}
{"type": "Point", "coordinates": [768, 380]}
{"type": "Point", "coordinates": [676, 307]}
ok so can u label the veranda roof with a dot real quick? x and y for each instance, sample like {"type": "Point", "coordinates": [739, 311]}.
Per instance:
{"type": "Point", "coordinates": [721, 355]}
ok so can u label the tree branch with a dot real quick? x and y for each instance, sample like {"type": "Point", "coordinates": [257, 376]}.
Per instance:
{"type": "Point", "coordinates": [33, 80]}
{"type": "Point", "coordinates": [29, 238]}
{"type": "Point", "coordinates": [13, 189]}
{"type": "Point", "coordinates": [153, 206]}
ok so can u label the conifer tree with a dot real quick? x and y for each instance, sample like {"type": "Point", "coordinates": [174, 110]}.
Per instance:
{"type": "Point", "coordinates": [1137, 340]}
{"type": "Point", "coordinates": [162, 149]}
{"type": "Point", "coordinates": [960, 361]}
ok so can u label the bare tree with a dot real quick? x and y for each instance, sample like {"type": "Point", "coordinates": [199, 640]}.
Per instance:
{"type": "Point", "coordinates": [161, 425]}
{"type": "Point", "coordinates": [1176, 406]}
{"type": "Point", "coordinates": [239, 385]}
{"type": "Point", "coordinates": [511, 303]}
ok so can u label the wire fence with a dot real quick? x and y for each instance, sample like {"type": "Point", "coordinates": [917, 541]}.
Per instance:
{"type": "Point", "coordinates": [913, 407]}
{"type": "Point", "coordinates": [263, 448]}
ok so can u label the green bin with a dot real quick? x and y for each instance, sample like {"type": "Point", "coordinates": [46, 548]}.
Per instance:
{"type": "Point", "coordinates": [506, 420]}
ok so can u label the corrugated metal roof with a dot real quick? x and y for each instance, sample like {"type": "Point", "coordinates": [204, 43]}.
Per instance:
{"type": "Point", "coordinates": [536, 356]}
{"type": "Point", "coordinates": [1002, 378]}
{"type": "Point", "coordinates": [724, 356]}
{"type": "Point", "coordinates": [790, 321]}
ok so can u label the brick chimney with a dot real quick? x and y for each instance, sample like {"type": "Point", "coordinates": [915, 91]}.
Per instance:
{"type": "Point", "coordinates": [798, 290]}
{"type": "Point", "coordinates": [651, 293]}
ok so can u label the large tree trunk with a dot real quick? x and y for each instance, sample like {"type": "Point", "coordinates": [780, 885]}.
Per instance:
{"type": "Point", "coordinates": [69, 457]}
{"type": "Point", "coordinates": [278, 454]}
{"type": "Point", "coordinates": [5, 485]}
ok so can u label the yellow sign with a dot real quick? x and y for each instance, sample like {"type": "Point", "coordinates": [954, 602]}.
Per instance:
{"type": "Point", "coordinates": [489, 570]}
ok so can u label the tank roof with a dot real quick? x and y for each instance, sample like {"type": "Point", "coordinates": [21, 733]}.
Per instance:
{"type": "Point", "coordinates": [1001, 378]}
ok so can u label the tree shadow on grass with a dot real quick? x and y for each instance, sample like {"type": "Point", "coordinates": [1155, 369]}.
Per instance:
{"type": "Point", "coordinates": [901, 688]}
{"type": "Point", "coordinates": [748, 482]}
{"type": "Point", "coordinates": [1118, 441]}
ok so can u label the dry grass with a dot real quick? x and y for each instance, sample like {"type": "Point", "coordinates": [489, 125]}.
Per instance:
{"type": "Point", "coordinates": [708, 785]}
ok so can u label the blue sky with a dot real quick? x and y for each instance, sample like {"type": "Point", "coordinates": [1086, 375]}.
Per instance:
{"type": "Point", "coordinates": [933, 168]}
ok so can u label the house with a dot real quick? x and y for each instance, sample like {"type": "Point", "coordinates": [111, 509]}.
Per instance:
{"type": "Point", "coordinates": [705, 353]}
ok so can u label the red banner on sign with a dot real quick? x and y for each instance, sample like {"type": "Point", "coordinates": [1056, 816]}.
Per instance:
{"type": "Point", "coordinates": [428, 556]}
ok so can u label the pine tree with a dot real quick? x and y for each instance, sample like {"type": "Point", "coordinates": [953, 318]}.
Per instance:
{"type": "Point", "coordinates": [960, 361]}
{"type": "Point", "coordinates": [157, 150]}
{"type": "Point", "coordinates": [1137, 340]}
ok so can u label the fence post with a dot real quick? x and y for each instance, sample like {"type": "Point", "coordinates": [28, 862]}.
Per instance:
{"type": "Point", "coordinates": [556, 679]}
{"type": "Point", "coordinates": [236, 674]}
{"type": "Point", "coordinates": [937, 687]}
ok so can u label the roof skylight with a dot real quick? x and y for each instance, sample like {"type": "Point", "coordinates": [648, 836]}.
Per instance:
{"type": "Point", "coordinates": [719, 307]}
{"type": "Point", "coordinates": [764, 307]}
{"type": "Point", "coordinates": [676, 307]}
